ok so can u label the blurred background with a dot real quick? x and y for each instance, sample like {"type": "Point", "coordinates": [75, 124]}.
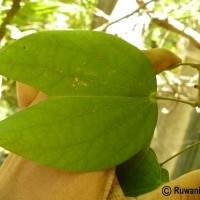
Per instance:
{"type": "Point", "coordinates": [170, 24]}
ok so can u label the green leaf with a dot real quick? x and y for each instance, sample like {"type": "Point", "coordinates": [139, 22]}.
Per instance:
{"type": "Point", "coordinates": [101, 108]}
{"type": "Point", "coordinates": [78, 133]}
{"type": "Point", "coordinates": [141, 174]}
{"type": "Point", "coordinates": [79, 63]}
{"type": "Point", "coordinates": [164, 175]}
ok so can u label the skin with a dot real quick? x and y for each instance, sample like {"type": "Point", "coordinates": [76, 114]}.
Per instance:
{"type": "Point", "coordinates": [21, 179]}
{"type": "Point", "coordinates": [161, 59]}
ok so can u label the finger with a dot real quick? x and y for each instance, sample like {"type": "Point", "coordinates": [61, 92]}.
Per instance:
{"type": "Point", "coordinates": [27, 95]}
{"type": "Point", "coordinates": [162, 59]}
{"type": "Point", "coordinates": [41, 96]}
{"type": "Point", "coordinates": [30, 181]}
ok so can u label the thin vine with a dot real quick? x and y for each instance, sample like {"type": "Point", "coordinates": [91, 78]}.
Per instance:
{"type": "Point", "coordinates": [182, 151]}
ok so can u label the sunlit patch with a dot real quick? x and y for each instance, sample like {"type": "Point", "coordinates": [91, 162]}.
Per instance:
{"type": "Point", "coordinates": [197, 109]}
{"type": "Point", "coordinates": [165, 111]}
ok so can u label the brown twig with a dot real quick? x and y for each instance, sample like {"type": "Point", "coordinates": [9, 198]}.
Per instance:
{"type": "Point", "coordinates": [106, 8]}
{"type": "Point", "coordinates": [165, 24]}
{"type": "Point", "coordinates": [10, 14]}
{"type": "Point", "coordinates": [105, 26]}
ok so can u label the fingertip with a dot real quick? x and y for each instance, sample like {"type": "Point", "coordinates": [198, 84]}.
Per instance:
{"type": "Point", "coordinates": [162, 59]}
{"type": "Point", "coordinates": [25, 94]}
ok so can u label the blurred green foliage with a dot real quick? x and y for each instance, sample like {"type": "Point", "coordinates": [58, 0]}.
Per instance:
{"type": "Point", "coordinates": [184, 13]}
{"type": "Point", "coordinates": [47, 15]}
{"type": "Point", "coordinates": [8, 103]}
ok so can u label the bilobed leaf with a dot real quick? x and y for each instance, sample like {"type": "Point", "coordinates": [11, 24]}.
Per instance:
{"type": "Point", "coordinates": [101, 108]}
{"type": "Point", "coordinates": [141, 174]}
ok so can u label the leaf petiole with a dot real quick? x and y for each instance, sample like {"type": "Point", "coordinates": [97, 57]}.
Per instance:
{"type": "Point", "coordinates": [193, 104]}
{"type": "Point", "coordinates": [193, 65]}
{"type": "Point", "coordinates": [182, 151]}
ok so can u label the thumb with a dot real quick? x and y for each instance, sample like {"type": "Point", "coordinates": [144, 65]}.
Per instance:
{"type": "Point", "coordinates": [161, 59]}
{"type": "Point", "coordinates": [27, 95]}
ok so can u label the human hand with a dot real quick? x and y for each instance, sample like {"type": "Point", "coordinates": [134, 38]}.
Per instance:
{"type": "Point", "coordinates": [28, 180]}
